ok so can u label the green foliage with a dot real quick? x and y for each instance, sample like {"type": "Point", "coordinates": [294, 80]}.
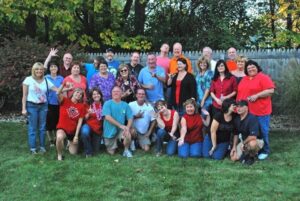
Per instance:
{"type": "Point", "coordinates": [289, 89]}
{"type": "Point", "coordinates": [144, 177]}
{"type": "Point", "coordinates": [17, 55]}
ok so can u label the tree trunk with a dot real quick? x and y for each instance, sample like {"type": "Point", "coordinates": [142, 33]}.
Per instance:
{"type": "Point", "coordinates": [30, 25]}
{"type": "Point", "coordinates": [47, 28]}
{"type": "Point", "coordinates": [140, 16]}
{"type": "Point", "coordinates": [272, 10]}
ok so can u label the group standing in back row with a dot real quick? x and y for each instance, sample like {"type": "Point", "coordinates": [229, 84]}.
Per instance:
{"type": "Point", "coordinates": [195, 112]}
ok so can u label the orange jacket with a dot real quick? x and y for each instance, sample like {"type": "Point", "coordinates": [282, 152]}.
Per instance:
{"type": "Point", "coordinates": [173, 65]}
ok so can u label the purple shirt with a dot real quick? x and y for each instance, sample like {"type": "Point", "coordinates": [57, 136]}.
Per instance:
{"type": "Point", "coordinates": [104, 84]}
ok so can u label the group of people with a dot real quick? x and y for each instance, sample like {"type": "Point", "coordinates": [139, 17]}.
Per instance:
{"type": "Point", "coordinates": [215, 109]}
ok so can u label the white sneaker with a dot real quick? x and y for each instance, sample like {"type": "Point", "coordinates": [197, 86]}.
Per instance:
{"type": "Point", "coordinates": [132, 146]}
{"type": "Point", "coordinates": [262, 156]}
{"type": "Point", "coordinates": [127, 153]}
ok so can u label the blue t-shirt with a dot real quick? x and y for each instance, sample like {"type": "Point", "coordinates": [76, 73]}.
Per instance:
{"type": "Point", "coordinates": [145, 78]}
{"type": "Point", "coordinates": [52, 97]}
{"type": "Point", "coordinates": [113, 67]}
{"type": "Point", "coordinates": [90, 71]}
{"type": "Point", "coordinates": [120, 112]}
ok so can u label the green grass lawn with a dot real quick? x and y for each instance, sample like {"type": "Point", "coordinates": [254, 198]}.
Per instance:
{"type": "Point", "coordinates": [144, 177]}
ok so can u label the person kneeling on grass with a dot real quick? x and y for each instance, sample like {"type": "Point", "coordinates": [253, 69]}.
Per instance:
{"type": "Point", "coordinates": [167, 122]}
{"type": "Point", "coordinates": [248, 130]}
{"type": "Point", "coordinates": [216, 145]}
{"type": "Point", "coordinates": [191, 139]}
{"type": "Point", "coordinates": [116, 112]}
{"type": "Point", "coordinates": [91, 131]}
{"type": "Point", "coordinates": [144, 121]}
{"type": "Point", "coordinates": [71, 114]}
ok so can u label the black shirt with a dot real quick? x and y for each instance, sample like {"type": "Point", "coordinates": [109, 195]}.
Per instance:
{"type": "Point", "coordinates": [135, 70]}
{"type": "Point", "coordinates": [248, 126]}
{"type": "Point", "coordinates": [225, 128]}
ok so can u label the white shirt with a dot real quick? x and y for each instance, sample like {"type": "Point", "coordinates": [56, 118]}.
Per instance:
{"type": "Point", "coordinates": [37, 92]}
{"type": "Point", "coordinates": [142, 124]}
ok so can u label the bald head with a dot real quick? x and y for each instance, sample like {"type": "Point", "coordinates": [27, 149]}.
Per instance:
{"type": "Point", "coordinates": [231, 53]}
{"type": "Point", "coordinates": [177, 49]}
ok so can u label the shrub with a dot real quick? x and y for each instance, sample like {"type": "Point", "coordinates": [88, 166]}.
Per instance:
{"type": "Point", "coordinates": [17, 55]}
{"type": "Point", "coordinates": [289, 90]}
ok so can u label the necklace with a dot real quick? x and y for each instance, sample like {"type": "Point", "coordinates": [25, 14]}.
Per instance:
{"type": "Point", "coordinates": [98, 111]}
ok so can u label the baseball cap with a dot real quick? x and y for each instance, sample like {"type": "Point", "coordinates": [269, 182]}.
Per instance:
{"type": "Point", "coordinates": [242, 103]}
{"type": "Point", "coordinates": [110, 50]}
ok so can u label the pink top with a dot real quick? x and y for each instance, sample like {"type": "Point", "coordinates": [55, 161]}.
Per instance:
{"type": "Point", "coordinates": [81, 84]}
{"type": "Point", "coordinates": [163, 62]}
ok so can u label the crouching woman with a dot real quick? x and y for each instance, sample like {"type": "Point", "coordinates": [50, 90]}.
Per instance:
{"type": "Point", "coordinates": [191, 138]}
{"type": "Point", "coordinates": [71, 115]}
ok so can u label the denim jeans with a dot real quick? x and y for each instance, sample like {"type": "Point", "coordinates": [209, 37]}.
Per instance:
{"type": "Point", "coordinates": [171, 146]}
{"type": "Point", "coordinates": [180, 110]}
{"type": "Point", "coordinates": [91, 141]}
{"type": "Point", "coordinates": [264, 125]}
{"type": "Point", "coordinates": [220, 151]}
{"type": "Point", "coordinates": [192, 150]}
{"type": "Point", "coordinates": [37, 114]}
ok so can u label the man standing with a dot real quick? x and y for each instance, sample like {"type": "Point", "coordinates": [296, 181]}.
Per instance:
{"type": "Point", "coordinates": [207, 53]}
{"type": "Point", "coordinates": [116, 112]}
{"type": "Point", "coordinates": [247, 131]}
{"type": "Point", "coordinates": [231, 63]}
{"type": "Point", "coordinates": [162, 59]}
{"type": "Point", "coordinates": [152, 79]}
{"type": "Point", "coordinates": [144, 121]}
{"type": "Point", "coordinates": [113, 64]}
{"type": "Point", "coordinates": [177, 53]}
{"type": "Point", "coordinates": [65, 68]}
{"type": "Point", "coordinates": [134, 65]}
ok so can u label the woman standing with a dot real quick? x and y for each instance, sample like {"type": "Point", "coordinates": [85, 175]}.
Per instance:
{"type": "Point", "coordinates": [75, 80]}
{"type": "Point", "coordinates": [239, 73]}
{"type": "Point", "coordinates": [71, 114]}
{"type": "Point", "coordinates": [103, 80]}
{"type": "Point", "coordinates": [223, 86]}
{"type": "Point", "coordinates": [203, 80]}
{"type": "Point", "coordinates": [91, 131]}
{"type": "Point", "coordinates": [34, 105]}
{"type": "Point", "coordinates": [216, 145]}
{"type": "Point", "coordinates": [167, 122]}
{"type": "Point", "coordinates": [257, 88]}
{"type": "Point", "coordinates": [53, 104]}
{"type": "Point", "coordinates": [191, 138]}
{"type": "Point", "coordinates": [183, 86]}
{"type": "Point", "coordinates": [128, 83]}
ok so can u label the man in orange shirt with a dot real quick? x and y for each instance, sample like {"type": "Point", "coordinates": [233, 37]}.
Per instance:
{"type": "Point", "coordinates": [231, 54]}
{"type": "Point", "coordinates": [177, 53]}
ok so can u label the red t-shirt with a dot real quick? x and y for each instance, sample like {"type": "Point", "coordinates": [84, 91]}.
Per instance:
{"type": "Point", "coordinates": [69, 114]}
{"type": "Point", "coordinates": [168, 123]}
{"type": "Point", "coordinates": [225, 87]}
{"type": "Point", "coordinates": [82, 84]}
{"type": "Point", "coordinates": [194, 127]}
{"type": "Point", "coordinates": [94, 122]}
{"type": "Point", "coordinates": [253, 85]}
{"type": "Point", "coordinates": [177, 92]}
{"type": "Point", "coordinates": [231, 65]}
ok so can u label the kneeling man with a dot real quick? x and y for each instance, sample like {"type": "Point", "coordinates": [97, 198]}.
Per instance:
{"type": "Point", "coordinates": [116, 112]}
{"type": "Point", "coordinates": [247, 132]}
{"type": "Point", "coordinates": [143, 123]}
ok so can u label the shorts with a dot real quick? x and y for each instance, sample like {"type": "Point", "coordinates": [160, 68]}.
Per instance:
{"type": "Point", "coordinates": [52, 117]}
{"type": "Point", "coordinates": [143, 139]}
{"type": "Point", "coordinates": [69, 136]}
{"type": "Point", "coordinates": [111, 143]}
{"type": "Point", "coordinates": [259, 146]}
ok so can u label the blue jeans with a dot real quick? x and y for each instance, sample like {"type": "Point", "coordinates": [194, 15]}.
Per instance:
{"type": "Point", "coordinates": [264, 125]}
{"type": "Point", "coordinates": [220, 151]}
{"type": "Point", "coordinates": [180, 110]}
{"type": "Point", "coordinates": [37, 115]}
{"type": "Point", "coordinates": [171, 146]}
{"type": "Point", "coordinates": [91, 141]}
{"type": "Point", "coordinates": [192, 150]}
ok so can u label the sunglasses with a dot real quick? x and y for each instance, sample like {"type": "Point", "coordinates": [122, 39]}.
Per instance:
{"type": "Point", "coordinates": [122, 71]}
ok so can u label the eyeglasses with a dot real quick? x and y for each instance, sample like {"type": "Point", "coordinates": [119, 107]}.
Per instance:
{"type": "Point", "coordinates": [122, 71]}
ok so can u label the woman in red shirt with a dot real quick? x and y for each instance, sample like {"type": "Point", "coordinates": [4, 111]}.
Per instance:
{"type": "Point", "coordinates": [191, 139]}
{"type": "Point", "coordinates": [71, 114]}
{"type": "Point", "coordinates": [167, 122]}
{"type": "Point", "coordinates": [223, 86]}
{"type": "Point", "coordinates": [91, 131]}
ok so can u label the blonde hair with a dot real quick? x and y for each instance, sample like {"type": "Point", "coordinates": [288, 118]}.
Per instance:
{"type": "Point", "coordinates": [35, 66]}
{"type": "Point", "coordinates": [79, 90]}
{"type": "Point", "coordinates": [241, 58]}
{"type": "Point", "coordinates": [193, 102]}
{"type": "Point", "coordinates": [202, 60]}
